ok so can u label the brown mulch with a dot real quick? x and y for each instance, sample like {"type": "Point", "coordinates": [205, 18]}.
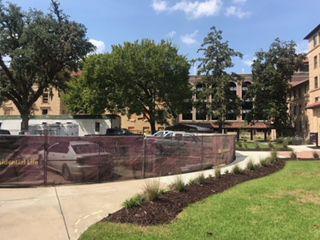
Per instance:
{"type": "Point", "coordinates": [169, 205]}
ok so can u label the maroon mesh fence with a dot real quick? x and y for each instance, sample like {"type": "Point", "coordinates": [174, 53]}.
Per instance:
{"type": "Point", "coordinates": [42, 160]}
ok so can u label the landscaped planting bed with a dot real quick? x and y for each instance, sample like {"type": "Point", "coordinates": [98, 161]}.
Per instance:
{"type": "Point", "coordinates": [284, 205]}
{"type": "Point", "coordinates": [169, 204]}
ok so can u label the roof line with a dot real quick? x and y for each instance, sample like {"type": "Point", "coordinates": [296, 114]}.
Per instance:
{"type": "Point", "coordinates": [316, 29]}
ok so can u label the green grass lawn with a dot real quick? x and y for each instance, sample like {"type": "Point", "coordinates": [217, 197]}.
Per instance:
{"type": "Point", "coordinates": [285, 205]}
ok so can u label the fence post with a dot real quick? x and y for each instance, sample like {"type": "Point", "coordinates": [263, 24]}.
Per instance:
{"type": "Point", "coordinates": [144, 157]}
{"type": "Point", "coordinates": [202, 152]}
{"type": "Point", "coordinates": [45, 156]}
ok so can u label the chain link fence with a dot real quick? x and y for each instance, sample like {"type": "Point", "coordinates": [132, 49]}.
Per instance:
{"type": "Point", "coordinates": [52, 160]}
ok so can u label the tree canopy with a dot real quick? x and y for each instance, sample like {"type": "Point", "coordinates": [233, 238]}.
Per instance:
{"type": "Point", "coordinates": [43, 50]}
{"type": "Point", "coordinates": [216, 99]}
{"type": "Point", "coordinates": [143, 78]}
{"type": "Point", "coordinates": [272, 72]}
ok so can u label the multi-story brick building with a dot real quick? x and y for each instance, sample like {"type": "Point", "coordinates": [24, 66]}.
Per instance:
{"type": "Point", "coordinates": [298, 99]}
{"type": "Point", "coordinates": [299, 85]}
{"type": "Point", "coordinates": [50, 106]}
{"type": "Point", "coordinates": [313, 106]}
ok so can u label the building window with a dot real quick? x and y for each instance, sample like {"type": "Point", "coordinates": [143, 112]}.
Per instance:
{"type": "Point", "coordinates": [315, 61]}
{"type": "Point", "coordinates": [199, 89]}
{"type": "Point", "coordinates": [7, 111]}
{"type": "Point", "coordinates": [316, 99]}
{"type": "Point", "coordinates": [316, 83]}
{"type": "Point", "coordinates": [97, 127]}
{"type": "Point", "coordinates": [187, 116]}
{"type": "Point", "coordinates": [201, 113]}
{"type": "Point", "coordinates": [315, 43]}
{"type": "Point", "coordinates": [146, 130]}
{"type": "Point", "coordinates": [45, 111]}
{"type": "Point", "coordinates": [131, 129]}
{"type": "Point", "coordinates": [231, 115]}
{"type": "Point", "coordinates": [45, 96]}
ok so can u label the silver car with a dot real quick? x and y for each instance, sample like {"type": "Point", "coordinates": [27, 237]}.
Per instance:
{"type": "Point", "coordinates": [79, 160]}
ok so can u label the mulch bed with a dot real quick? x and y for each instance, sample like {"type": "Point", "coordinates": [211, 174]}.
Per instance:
{"type": "Point", "coordinates": [169, 205]}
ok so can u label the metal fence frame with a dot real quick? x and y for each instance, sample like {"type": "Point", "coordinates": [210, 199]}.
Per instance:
{"type": "Point", "coordinates": [209, 151]}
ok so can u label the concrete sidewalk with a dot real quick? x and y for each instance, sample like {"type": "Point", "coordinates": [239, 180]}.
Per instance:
{"type": "Point", "coordinates": [65, 212]}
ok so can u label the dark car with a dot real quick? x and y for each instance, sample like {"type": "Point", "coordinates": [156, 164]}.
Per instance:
{"type": "Point", "coordinates": [119, 132]}
{"type": "Point", "coordinates": [4, 132]}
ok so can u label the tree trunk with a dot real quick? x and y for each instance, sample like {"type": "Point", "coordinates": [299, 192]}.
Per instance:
{"type": "Point", "coordinates": [220, 129]}
{"type": "Point", "coordinates": [25, 122]}
{"type": "Point", "coordinates": [152, 125]}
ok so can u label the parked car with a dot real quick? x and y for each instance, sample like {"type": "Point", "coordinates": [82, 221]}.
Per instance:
{"type": "Point", "coordinates": [119, 132]}
{"type": "Point", "coordinates": [160, 134]}
{"type": "Point", "coordinates": [79, 160]}
{"type": "Point", "coordinates": [4, 132]}
{"type": "Point", "coordinates": [176, 135]}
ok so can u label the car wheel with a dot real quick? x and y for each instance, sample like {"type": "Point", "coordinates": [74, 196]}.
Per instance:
{"type": "Point", "coordinates": [66, 173]}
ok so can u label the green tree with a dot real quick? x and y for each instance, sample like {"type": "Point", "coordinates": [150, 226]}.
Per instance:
{"type": "Point", "coordinates": [216, 99]}
{"type": "Point", "coordinates": [272, 72]}
{"type": "Point", "coordinates": [43, 50]}
{"type": "Point", "coordinates": [95, 90]}
{"type": "Point", "coordinates": [143, 78]}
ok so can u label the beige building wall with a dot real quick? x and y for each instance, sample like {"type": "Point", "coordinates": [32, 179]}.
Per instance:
{"type": "Point", "coordinates": [297, 107]}
{"type": "Point", "coordinates": [313, 111]}
{"type": "Point", "coordinates": [138, 124]}
{"type": "Point", "coordinates": [48, 104]}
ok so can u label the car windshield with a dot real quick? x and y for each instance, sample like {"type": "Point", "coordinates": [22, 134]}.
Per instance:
{"type": "Point", "coordinates": [86, 148]}
{"type": "Point", "coordinates": [158, 134]}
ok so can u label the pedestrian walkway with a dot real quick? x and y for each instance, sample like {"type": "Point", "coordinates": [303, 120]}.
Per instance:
{"type": "Point", "coordinates": [302, 152]}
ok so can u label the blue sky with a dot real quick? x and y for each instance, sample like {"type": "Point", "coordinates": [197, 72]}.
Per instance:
{"type": "Point", "coordinates": [249, 25]}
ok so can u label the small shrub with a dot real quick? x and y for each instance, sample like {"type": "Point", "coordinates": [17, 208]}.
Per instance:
{"type": "Point", "coordinates": [258, 147]}
{"type": "Point", "coordinates": [316, 155]}
{"type": "Point", "coordinates": [239, 145]}
{"type": "Point", "coordinates": [133, 202]}
{"type": "Point", "coordinates": [178, 185]}
{"type": "Point", "coordinates": [293, 155]}
{"type": "Point", "coordinates": [265, 162]}
{"type": "Point", "coordinates": [279, 140]}
{"type": "Point", "coordinates": [270, 145]}
{"type": "Point", "coordinates": [237, 170]}
{"type": "Point", "coordinates": [217, 172]}
{"type": "Point", "coordinates": [198, 180]}
{"type": "Point", "coordinates": [274, 157]}
{"type": "Point", "coordinates": [226, 172]}
{"type": "Point", "coordinates": [251, 166]}
{"type": "Point", "coordinates": [152, 190]}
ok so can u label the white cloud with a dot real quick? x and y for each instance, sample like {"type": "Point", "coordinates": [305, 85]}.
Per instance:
{"type": "Point", "coordinates": [193, 70]}
{"type": "Point", "coordinates": [171, 34]}
{"type": "Point", "coordinates": [159, 6]}
{"type": "Point", "coordinates": [248, 61]}
{"type": "Point", "coordinates": [189, 39]}
{"type": "Point", "coordinates": [302, 47]}
{"type": "Point", "coordinates": [234, 11]}
{"type": "Point", "coordinates": [193, 9]}
{"type": "Point", "coordinates": [7, 60]}
{"type": "Point", "coordinates": [100, 46]}
{"type": "Point", "coordinates": [239, 1]}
